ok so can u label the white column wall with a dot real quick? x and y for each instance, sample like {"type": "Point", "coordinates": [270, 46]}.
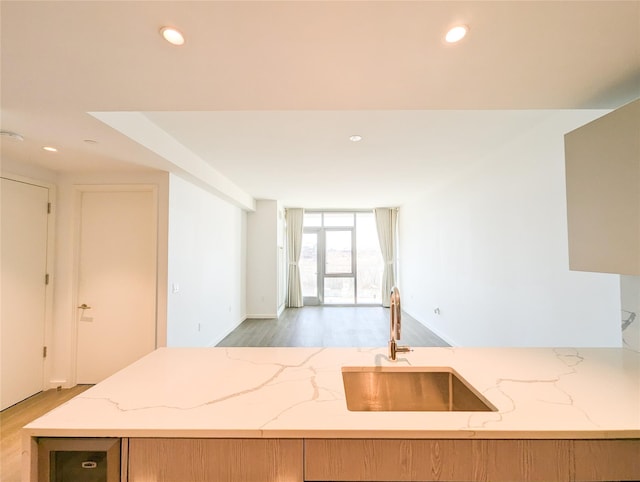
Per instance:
{"type": "Point", "coordinates": [262, 260]}
{"type": "Point", "coordinates": [206, 273]}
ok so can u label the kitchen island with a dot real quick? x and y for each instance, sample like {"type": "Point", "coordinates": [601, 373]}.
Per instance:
{"type": "Point", "coordinates": [233, 413]}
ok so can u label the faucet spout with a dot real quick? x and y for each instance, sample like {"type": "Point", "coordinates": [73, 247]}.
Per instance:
{"type": "Point", "coordinates": [395, 324]}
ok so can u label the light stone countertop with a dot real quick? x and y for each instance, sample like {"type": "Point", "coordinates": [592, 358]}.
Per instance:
{"type": "Point", "coordinates": [298, 393]}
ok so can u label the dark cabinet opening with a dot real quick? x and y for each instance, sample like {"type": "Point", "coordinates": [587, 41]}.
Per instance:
{"type": "Point", "coordinates": [79, 459]}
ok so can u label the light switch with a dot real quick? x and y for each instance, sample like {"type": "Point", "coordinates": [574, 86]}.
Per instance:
{"type": "Point", "coordinates": [175, 288]}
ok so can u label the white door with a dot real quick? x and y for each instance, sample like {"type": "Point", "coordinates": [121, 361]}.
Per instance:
{"type": "Point", "coordinates": [116, 281]}
{"type": "Point", "coordinates": [23, 294]}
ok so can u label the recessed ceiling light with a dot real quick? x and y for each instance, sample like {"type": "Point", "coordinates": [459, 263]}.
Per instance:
{"type": "Point", "coordinates": [456, 34]}
{"type": "Point", "coordinates": [355, 138]}
{"type": "Point", "coordinates": [172, 35]}
{"type": "Point", "coordinates": [50, 149]}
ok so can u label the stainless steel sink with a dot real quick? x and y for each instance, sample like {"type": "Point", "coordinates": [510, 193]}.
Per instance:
{"type": "Point", "coordinates": [410, 389]}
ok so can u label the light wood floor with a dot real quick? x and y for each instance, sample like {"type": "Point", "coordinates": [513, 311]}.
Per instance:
{"type": "Point", "coordinates": [362, 326]}
{"type": "Point", "coordinates": [14, 418]}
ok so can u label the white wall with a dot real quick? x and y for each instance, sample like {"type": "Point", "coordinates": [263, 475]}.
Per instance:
{"type": "Point", "coordinates": [490, 251]}
{"type": "Point", "coordinates": [262, 260]}
{"type": "Point", "coordinates": [8, 166]}
{"type": "Point", "coordinates": [206, 272]}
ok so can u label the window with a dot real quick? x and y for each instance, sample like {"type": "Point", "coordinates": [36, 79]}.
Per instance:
{"type": "Point", "coordinates": [340, 262]}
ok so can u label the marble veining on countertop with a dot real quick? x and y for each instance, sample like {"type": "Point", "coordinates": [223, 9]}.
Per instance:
{"type": "Point", "coordinates": [298, 392]}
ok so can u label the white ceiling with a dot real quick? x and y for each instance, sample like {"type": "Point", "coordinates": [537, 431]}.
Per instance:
{"type": "Point", "coordinates": [267, 93]}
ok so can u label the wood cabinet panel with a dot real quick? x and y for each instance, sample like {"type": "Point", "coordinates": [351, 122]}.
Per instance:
{"type": "Point", "coordinates": [607, 459]}
{"type": "Point", "coordinates": [451, 460]}
{"type": "Point", "coordinates": [290, 460]}
{"type": "Point", "coordinates": [200, 460]}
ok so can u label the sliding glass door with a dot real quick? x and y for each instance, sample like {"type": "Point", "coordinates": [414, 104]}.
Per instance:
{"type": "Point", "coordinates": [340, 262]}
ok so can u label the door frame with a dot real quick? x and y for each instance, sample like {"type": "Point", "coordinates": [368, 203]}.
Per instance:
{"type": "Point", "coordinates": [78, 190]}
{"type": "Point", "coordinates": [50, 256]}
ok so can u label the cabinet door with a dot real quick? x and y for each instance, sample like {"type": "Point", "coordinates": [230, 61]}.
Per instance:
{"type": "Point", "coordinates": [79, 459]}
{"type": "Point", "coordinates": [200, 460]}
{"type": "Point", "coordinates": [394, 460]}
{"type": "Point", "coordinates": [455, 460]}
{"type": "Point", "coordinates": [602, 162]}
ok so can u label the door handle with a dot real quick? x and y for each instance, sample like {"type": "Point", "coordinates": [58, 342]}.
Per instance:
{"type": "Point", "coordinates": [84, 306]}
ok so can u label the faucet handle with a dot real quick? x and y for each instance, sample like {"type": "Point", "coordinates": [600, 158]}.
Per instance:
{"type": "Point", "coordinates": [394, 348]}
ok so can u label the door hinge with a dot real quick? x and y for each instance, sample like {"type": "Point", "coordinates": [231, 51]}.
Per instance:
{"type": "Point", "coordinates": [44, 352]}
{"type": "Point", "coordinates": [46, 279]}
{"type": "Point", "coordinates": [48, 208]}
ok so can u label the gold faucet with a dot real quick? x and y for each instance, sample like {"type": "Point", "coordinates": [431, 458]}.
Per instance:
{"type": "Point", "coordinates": [396, 316]}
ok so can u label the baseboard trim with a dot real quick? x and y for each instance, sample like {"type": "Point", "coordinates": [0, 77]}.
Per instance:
{"type": "Point", "coordinates": [426, 325]}
{"type": "Point", "coordinates": [262, 316]}
{"type": "Point", "coordinates": [224, 334]}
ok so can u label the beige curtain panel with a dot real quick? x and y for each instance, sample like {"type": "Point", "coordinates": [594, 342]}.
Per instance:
{"type": "Point", "coordinates": [386, 220]}
{"type": "Point", "coordinates": [294, 219]}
